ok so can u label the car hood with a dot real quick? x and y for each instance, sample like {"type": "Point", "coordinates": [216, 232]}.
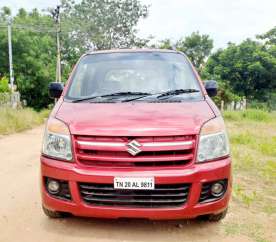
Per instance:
{"type": "Point", "coordinates": [135, 119]}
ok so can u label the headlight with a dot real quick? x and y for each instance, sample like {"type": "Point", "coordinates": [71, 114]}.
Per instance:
{"type": "Point", "coordinates": [213, 141]}
{"type": "Point", "coordinates": [57, 140]}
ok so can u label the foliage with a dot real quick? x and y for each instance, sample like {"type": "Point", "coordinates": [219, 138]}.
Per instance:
{"type": "Point", "coordinates": [4, 85]}
{"type": "Point", "coordinates": [4, 98]}
{"type": "Point", "coordinates": [254, 104]}
{"type": "Point", "coordinates": [248, 68]}
{"type": "Point", "coordinates": [100, 24]}
{"type": "Point", "coordinates": [196, 46]}
{"type": "Point", "coordinates": [225, 91]}
{"type": "Point", "coordinates": [165, 44]}
{"type": "Point", "coordinates": [4, 90]}
{"type": "Point", "coordinates": [15, 120]}
{"type": "Point", "coordinates": [226, 94]}
{"type": "Point", "coordinates": [5, 11]}
{"type": "Point", "coordinates": [33, 57]}
{"type": "Point", "coordinates": [269, 37]}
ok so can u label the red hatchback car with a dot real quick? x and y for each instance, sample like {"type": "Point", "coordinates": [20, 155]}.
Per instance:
{"type": "Point", "coordinates": [135, 134]}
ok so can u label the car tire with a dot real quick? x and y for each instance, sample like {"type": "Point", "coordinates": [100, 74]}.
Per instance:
{"type": "Point", "coordinates": [217, 217]}
{"type": "Point", "coordinates": [53, 214]}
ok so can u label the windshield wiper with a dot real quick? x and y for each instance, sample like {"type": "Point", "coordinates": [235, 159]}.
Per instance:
{"type": "Point", "coordinates": [115, 94]}
{"type": "Point", "coordinates": [164, 94]}
{"type": "Point", "coordinates": [176, 92]}
{"type": "Point", "coordinates": [125, 94]}
{"type": "Point", "coordinates": [143, 94]}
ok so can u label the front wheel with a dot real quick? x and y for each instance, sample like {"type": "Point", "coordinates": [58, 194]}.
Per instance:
{"type": "Point", "coordinates": [217, 217]}
{"type": "Point", "coordinates": [53, 214]}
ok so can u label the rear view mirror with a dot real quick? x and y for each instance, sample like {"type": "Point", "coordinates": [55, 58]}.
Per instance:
{"type": "Point", "coordinates": [55, 89]}
{"type": "Point", "coordinates": [211, 87]}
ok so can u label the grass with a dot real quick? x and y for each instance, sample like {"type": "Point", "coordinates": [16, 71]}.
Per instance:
{"type": "Point", "coordinates": [253, 142]}
{"type": "Point", "coordinates": [16, 120]}
{"type": "Point", "coordinates": [252, 136]}
{"type": "Point", "coordinates": [254, 231]}
{"type": "Point", "coordinates": [250, 115]}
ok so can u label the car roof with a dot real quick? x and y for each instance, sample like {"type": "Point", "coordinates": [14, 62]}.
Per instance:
{"type": "Point", "coordinates": [136, 50]}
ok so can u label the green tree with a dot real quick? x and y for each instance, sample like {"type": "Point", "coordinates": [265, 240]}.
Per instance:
{"type": "Point", "coordinates": [34, 52]}
{"type": "Point", "coordinates": [4, 13]}
{"type": "Point", "coordinates": [248, 69]}
{"type": "Point", "coordinates": [166, 44]}
{"type": "Point", "coordinates": [100, 24]}
{"type": "Point", "coordinates": [197, 47]}
{"type": "Point", "coordinates": [269, 37]}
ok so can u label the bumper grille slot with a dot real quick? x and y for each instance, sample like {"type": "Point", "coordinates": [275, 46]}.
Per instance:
{"type": "Point", "coordinates": [162, 196]}
{"type": "Point", "coordinates": [205, 192]}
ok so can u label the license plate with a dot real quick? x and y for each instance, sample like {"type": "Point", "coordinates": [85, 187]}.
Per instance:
{"type": "Point", "coordinates": [134, 183]}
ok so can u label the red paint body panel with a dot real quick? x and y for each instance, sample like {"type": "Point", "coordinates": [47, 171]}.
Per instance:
{"type": "Point", "coordinates": [135, 119]}
{"type": "Point", "coordinates": [119, 122]}
{"type": "Point", "coordinates": [195, 174]}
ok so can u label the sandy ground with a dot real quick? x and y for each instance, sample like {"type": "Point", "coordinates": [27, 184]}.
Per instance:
{"type": "Point", "coordinates": [21, 217]}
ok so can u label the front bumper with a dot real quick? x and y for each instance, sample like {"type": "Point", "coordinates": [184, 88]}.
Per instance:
{"type": "Point", "coordinates": [194, 174]}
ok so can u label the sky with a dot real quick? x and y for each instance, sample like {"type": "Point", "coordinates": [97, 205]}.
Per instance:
{"type": "Point", "coordinates": [224, 20]}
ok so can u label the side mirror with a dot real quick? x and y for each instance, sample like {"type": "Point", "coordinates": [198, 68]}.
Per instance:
{"type": "Point", "coordinates": [211, 87]}
{"type": "Point", "coordinates": [55, 89]}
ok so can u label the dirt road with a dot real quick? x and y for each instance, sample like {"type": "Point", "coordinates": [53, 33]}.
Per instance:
{"type": "Point", "coordinates": [21, 218]}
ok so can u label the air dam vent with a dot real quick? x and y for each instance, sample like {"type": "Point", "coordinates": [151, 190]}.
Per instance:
{"type": "Point", "coordinates": [164, 195]}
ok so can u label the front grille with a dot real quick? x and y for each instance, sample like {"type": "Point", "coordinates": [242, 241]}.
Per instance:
{"type": "Point", "coordinates": [154, 151]}
{"type": "Point", "coordinates": [169, 195]}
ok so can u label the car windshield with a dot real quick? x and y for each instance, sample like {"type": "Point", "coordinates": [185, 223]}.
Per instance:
{"type": "Point", "coordinates": [132, 72]}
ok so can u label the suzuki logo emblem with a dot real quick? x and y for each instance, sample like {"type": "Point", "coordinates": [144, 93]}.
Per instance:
{"type": "Point", "coordinates": [133, 147]}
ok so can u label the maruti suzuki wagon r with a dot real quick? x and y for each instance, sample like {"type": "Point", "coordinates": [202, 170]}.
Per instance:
{"type": "Point", "coordinates": [135, 134]}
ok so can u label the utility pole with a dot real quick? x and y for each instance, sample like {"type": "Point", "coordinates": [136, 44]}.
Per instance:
{"type": "Point", "coordinates": [10, 53]}
{"type": "Point", "coordinates": [56, 16]}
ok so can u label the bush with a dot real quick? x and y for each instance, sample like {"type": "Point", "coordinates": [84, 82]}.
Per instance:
{"type": "Point", "coordinates": [258, 105]}
{"type": "Point", "coordinates": [4, 85]}
{"type": "Point", "coordinates": [225, 93]}
{"type": "Point", "coordinates": [4, 98]}
{"type": "Point", "coordinates": [15, 120]}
